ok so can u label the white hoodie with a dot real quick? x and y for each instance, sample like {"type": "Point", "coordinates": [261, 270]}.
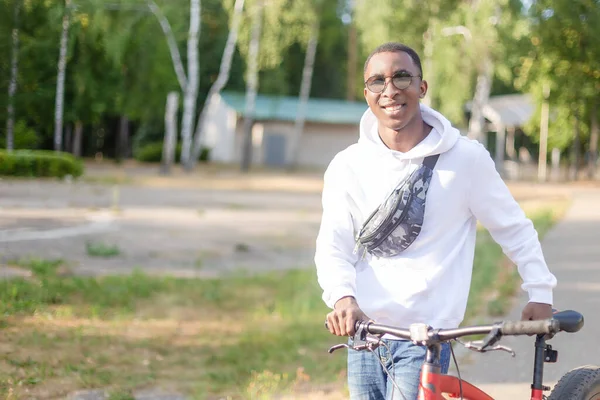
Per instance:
{"type": "Point", "coordinates": [429, 282]}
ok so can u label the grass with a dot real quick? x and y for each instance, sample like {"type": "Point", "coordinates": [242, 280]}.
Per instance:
{"type": "Point", "coordinates": [96, 249]}
{"type": "Point", "coordinates": [240, 337]}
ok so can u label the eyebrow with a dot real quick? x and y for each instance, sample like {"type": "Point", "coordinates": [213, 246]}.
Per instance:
{"type": "Point", "coordinates": [397, 72]}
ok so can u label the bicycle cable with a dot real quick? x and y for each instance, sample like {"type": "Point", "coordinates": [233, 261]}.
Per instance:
{"type": "Point", "coordinates": [457, 369]}
{"type": "Point", "coordinates": [392, 378]}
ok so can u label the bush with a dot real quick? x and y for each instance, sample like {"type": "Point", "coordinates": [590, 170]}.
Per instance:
{"type": "Point", "coordinates": [24, 137]}
{"type": "Point", "coordinates": [152, 152]}
{"type": "Point", "coordinates": [39, 163]}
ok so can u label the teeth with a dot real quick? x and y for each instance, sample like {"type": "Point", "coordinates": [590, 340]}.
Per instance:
{"type": "Point", "coordinates": [393, 108]}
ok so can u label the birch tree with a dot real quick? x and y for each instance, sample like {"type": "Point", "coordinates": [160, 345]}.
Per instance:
{"type": "Point", "coordinates": [191, 90]}
{"type": "Point", "coordinates": [305, 86]}
{"type": "Point", "coordinates": [220, 82]}
{"type": "Point", "coordinates": [170, 140]}
{"type": "Point", "coordinates": [12, 88]}
{"type": "Point", "coordinates": [171, 42]}
{"type": "Point", "coordinates": [251, 84]}
{"type": "Point", "coordinates": [60, 79]}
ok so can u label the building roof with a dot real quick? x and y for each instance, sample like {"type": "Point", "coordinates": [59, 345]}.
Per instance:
{"type": "Point", "coordinates": [284, 108]}
{"type": "Point", "coordinates": [509, 111]}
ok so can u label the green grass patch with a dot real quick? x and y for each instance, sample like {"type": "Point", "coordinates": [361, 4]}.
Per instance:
{"type": "Point", "coordinates": [242, 336]}
{"type": "Point", "coordinates": [95, 249]}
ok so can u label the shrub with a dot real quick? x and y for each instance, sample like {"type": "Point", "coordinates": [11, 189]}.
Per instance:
{"type": "Point", "coordinates": [39, 163]}
{"type": "Point", "coordinates": [152, 152]}
{"type": "Point", "coordinates": [24, 137]}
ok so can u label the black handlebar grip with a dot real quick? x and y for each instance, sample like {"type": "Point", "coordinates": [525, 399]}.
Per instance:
{"type": "Point", "coordinates": [540, 327]}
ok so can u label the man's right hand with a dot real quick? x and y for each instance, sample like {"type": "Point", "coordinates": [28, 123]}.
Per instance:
{"type": "Point", "coordinates": [342, 319]}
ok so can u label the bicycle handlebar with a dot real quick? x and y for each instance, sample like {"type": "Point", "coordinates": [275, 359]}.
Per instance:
{"type": "Point", "coordinates": [422, 332]}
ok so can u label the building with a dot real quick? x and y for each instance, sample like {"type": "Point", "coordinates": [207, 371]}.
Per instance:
{"type": "Point", "coordinates": [330, 126]}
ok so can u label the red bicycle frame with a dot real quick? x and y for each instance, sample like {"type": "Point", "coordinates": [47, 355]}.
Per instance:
{"type": "Point", "coordinates": [433, 383]}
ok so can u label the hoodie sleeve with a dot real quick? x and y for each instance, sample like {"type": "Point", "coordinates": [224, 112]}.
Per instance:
{"type": "Point", "coordinates": [494, 206]}
{"type": "Point", "coordinates": [334, 257]}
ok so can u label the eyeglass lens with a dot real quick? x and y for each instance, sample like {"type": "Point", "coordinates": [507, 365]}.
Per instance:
{"type": "Point", "coordinates": [377, 84]}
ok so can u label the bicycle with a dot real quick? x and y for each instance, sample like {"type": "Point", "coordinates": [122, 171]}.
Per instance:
{"type": "Point", "coordinates": [579, 383]}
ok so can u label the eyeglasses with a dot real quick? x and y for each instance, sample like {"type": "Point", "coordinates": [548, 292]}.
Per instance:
{"type": "Point", "coordinates": [377, 84]}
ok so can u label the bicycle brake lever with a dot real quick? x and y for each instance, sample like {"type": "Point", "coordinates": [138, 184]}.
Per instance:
{"type": "Point", "coordinates": [337, 347]}
{"type": "Point", "coordinates": [504, 348]}
{"type": "Point", "coordinates": [482, 349]}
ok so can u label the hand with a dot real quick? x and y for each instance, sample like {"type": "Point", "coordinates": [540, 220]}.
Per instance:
{"type": "Point", "coordinates": [536, 311]}
{"type": "Point", "coordinates": [342, 319]}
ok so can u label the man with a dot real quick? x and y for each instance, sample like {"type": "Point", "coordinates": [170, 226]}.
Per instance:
{"type": "Point", "coordinates": [429, 280]}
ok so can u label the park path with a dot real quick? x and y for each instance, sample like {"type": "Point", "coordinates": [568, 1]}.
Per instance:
{"type": "Point", "coordinates": [572, 251]}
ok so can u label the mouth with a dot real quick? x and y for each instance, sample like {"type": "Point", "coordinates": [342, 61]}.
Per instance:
{"type": "Point", "coordinates": [393, 108]}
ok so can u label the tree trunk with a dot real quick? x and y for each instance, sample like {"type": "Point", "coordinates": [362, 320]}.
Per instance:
{"type": "Point", "coordinates": [428, 64]}
{"type": "Point", "coordinates": [191, 92]}
{"type": "Point", "coordinates": [170, 140]}
{"type": "Point", "coordinates": [482, 95]}
{"type": "Point", "coordinates": [171, 42]}
{"type": "Point", "coordinates": [575, 146]}
{"type": "Point", "coordinates": [309, 62]}
{"type": "Point", "coordinates": [122, 139]}
{"type": "Point", "coordinates": [543, 153]}
{"type": "Point", "coordinates": [594, 136]}
{"type": "Point", "coordinates": [69, 138]}
{"type": "Point", "coordinates": [251, 85]}
{"type": "Point", "coordinates": [14, 72]}
{"type": "Point", "coordinates": [78, 139]}
{"type": "Point", "coordinates": [351, 65]}
{"type": "Point", "coordinates": [221, 81]}
{"type": "Point", "coordinates": [60, 80]}
{"type": "Point", "coordinates": [510, 144]}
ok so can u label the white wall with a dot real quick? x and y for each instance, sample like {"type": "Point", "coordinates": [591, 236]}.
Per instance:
{"type": "Point", "coordinates": [220, 131]}
{"type": "Point", "coordinates": [318, 145]}
{"type": "Point", "coordinates": [321, 142]}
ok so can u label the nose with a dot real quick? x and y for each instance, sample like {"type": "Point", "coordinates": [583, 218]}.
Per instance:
{"type": "Point", "coordinates": [390, 90]}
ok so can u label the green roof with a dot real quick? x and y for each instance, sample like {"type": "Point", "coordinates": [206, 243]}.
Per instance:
{"type": "Point", "coordinates": [283, 108]}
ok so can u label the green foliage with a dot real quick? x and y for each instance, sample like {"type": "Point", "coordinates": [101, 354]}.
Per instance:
{"type": "Point", "coordinates": [152, 152]}
{"type": "Point", "coordinates": [564, 55]}
{"type": "Point", "coordinates": [24, 137]}
{"type": "Point", "coordinates": [95, 249]}
{"type": "Point", "coordinates": [39, 163]}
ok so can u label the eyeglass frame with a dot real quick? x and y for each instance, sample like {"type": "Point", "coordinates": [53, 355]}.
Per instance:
{"type": "Point", "coordinates": [400, 75]}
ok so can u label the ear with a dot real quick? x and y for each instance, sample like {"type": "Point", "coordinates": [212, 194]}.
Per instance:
{"type": "Point", "coordinates": [423, 89]}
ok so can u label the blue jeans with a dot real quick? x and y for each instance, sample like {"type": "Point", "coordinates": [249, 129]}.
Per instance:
{"type": "Point", "coordinates": [367, 379]}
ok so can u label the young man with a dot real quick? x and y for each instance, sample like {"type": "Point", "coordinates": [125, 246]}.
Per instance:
{"type": "Point", "coordinates": [428, 279]}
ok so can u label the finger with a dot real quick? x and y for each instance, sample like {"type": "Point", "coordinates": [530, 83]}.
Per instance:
{"type": "Point", "coordinates": [337, 324]}
{"type": "Point", "coordinates": [350, 322]}
{"type": "Point", "coordinates": [331, 323]}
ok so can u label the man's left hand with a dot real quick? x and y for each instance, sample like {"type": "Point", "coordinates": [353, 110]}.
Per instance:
{"type": "Point", "coordinates": [536, 311]}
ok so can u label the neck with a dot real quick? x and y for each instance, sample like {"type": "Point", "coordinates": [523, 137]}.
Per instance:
{"type": "Point", "coordinates": [405, 139]}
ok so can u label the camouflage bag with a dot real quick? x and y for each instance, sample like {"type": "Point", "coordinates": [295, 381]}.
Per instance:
{"type": "Point", "coordinates": [397, 222]}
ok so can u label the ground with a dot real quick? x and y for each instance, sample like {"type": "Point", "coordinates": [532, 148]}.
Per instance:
{"type": "Point", "coordinates": [207, 224]}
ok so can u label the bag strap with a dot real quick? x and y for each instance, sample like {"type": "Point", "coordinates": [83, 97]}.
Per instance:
{"type": "Point", "coordinates": [430, 161]}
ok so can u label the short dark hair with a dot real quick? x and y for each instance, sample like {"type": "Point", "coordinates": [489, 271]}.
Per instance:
{"type": "Point", "coordinates": [395, 47]}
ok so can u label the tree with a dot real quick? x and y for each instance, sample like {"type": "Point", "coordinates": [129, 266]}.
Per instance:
{"type": "Point", "coordinates": [307, 73]}
{"type": "Point", "coordinates": [251, 84]}
{"type": "Point", "coordinates": [191, 90]}
{"type": "Point", "coordinates": [60, 80]}
{"type": "Point", "coordinates": [565, 54]}
{"type": "Point", "coordinates": [12, 88]}
{"type": "Point", "coordinates": [221, 81]}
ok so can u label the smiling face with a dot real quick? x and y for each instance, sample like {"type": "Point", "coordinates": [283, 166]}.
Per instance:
{"type": "Point", "coordinates": [397, 110]}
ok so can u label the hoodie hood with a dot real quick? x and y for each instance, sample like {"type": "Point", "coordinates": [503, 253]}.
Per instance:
{"type": "Point", "coordinates": [442, 137]}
